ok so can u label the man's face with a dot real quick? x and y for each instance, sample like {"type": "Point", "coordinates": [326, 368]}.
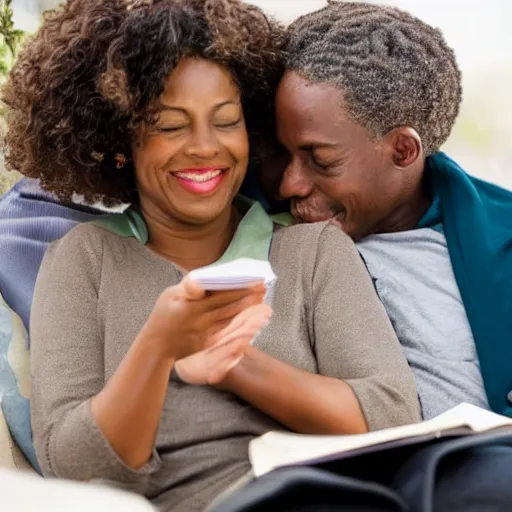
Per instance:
{"type": "Point", "coordinates": [334, 169]}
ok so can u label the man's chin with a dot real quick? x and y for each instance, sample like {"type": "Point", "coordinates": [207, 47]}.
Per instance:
{"type": "Point", "coordinates": [310, 220]}
{"type": "Point", "coordinates": [339, 220]}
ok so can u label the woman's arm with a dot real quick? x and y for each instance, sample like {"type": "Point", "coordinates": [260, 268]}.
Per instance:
{"type": "Point", "coordinates": [181, 315]}
{"type": "Point", "coordinates": [303, 401]}
{"type": "Point", "coordinates": [67, 358]}
{"type": "Point", "coordinates": [364, 382]}
{"type": "Point", "coordinates": [85, 427]}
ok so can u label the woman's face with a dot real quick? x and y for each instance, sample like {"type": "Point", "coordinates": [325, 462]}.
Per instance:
{"type": "Point", "coordinates": [190, 164]}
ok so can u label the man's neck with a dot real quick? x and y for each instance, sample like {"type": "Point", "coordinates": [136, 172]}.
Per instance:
{"type": "Point", "coordinates": [407, 215]}
{"type": "Point", "coordinates": [189, 246]}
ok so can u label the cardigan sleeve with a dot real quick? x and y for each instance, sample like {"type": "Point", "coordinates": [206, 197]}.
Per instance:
{"type": "Point", "coordinates": [353, 336]}
{"type": "Point", "coordinates": [67, 366]}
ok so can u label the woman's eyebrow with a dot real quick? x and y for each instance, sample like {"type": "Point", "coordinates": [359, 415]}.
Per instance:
{"type": "Point", "coordinates": [228, 102]}
{"type": "Point", "coordinates": [164, 107]}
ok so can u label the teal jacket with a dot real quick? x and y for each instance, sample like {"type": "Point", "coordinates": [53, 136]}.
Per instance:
{"type": "Point", "coordinates": [477, 222]}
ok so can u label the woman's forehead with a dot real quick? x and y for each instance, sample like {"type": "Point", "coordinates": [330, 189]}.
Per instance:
{"type": "Point", "coordinates": [199, 77]}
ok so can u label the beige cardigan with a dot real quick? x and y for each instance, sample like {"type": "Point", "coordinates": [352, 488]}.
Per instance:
{"type": "Point", "coordinates": [96, 289]}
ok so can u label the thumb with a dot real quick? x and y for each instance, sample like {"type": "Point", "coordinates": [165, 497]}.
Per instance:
{"type": "Point", "coordinates": [191, 289]}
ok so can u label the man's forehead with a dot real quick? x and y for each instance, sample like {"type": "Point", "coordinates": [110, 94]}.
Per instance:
{"type": "Point", "coordinates": [316, 111]}
{"type": "Point", "coordinates": [312, 103]}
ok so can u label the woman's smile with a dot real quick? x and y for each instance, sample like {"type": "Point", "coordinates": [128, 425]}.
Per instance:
{"type": "Point", "coordinates": [201, 181]}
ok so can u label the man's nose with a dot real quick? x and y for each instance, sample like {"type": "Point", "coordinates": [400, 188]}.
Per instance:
{"type": "Point", "coordinates": [295, 182]}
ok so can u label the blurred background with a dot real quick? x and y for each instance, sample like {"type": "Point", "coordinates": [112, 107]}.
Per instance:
{"type": "Point", "coordinates": [481, 35]}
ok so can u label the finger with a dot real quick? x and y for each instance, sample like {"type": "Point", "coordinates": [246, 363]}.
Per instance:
{"type": "Point", "coordinates": [229, 355]}
{"type": "Point", "coordinates": [220, 299]}
{"type": "Point", "coordinates": [254, 314]}
{"type": "Point", "coordinates": [249, 332]}
{"type": "Point", "coordinates": [212, 322]}
{"type": "Point", "coordinates": [192, 290]}
{"type": "Point", "coordinates": [232, 310]}
{"type": "Point", "coordinates": [217, 321]}
{"type": "Point", "coordinates": [252, 319]}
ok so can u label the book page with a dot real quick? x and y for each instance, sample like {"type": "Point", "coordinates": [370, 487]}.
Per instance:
{"type": "Point", "coordinates": [276, 449]}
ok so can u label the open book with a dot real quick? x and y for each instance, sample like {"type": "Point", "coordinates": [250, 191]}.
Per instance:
{"type": "Point", "coordinates": [278, 449]}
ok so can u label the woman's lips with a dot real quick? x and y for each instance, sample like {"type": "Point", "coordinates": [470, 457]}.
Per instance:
{"type": "Point", "coordinates": [200, 181]}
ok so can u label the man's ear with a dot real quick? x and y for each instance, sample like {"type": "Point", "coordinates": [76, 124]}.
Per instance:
{"type": "Point", "coordinates": [406, 146]}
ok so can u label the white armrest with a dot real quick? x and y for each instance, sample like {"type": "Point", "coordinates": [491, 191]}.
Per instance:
{"type": "Point", "coordinates": [30, 493]}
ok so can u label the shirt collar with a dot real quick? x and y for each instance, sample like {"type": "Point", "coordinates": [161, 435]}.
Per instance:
{"type": "Point", "coordinates": [252, 237]}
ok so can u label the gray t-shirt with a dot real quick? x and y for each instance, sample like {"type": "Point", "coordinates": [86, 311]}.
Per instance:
{"type": "Point", "coordinates": [414, 278]}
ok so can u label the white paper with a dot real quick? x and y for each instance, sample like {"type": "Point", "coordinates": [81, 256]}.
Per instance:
{"type": "Point", "coordinates": [276, 449]}
{"type": "Point", "coordinates": [234, 275]}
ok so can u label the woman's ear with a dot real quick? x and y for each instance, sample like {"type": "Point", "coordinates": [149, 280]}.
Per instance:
{"type": "Point", "coordinates": [406, 146]}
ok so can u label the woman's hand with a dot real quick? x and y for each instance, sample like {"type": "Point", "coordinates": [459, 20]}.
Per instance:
{"type": "Point", "coordinates": [185, 318]}
{"type": "Point", "coordinates": [210, 366]}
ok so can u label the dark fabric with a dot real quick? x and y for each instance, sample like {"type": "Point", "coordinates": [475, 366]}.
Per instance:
{"type": "Point", "coordinates": [312, 489]}
{"type": "Point", "coordinates": [468, 474]}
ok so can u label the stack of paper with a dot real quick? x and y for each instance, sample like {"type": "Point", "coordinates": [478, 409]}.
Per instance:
{"type": "Point", "coordinates": [234, 275]}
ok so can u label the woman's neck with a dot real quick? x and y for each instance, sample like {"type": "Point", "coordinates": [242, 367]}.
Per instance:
{"type": "Point", "coordinates": [189, 246]}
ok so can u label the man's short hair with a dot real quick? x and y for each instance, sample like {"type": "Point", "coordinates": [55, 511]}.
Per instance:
{"type": "Point", "coordinates": [392, 68]}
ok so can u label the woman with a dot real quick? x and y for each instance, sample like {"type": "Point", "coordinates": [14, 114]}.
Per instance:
{"type": "Point", "coordinates": [152, 102]}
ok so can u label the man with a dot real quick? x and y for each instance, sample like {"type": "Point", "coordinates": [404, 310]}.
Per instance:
{"type": "Point", "coordinates": [369, 96]}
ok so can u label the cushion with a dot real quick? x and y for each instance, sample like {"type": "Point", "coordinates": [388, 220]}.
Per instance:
{"type": "Point", "coordinates": [15, 380]}
{"type": "Point", "coordinates": [30, 493]}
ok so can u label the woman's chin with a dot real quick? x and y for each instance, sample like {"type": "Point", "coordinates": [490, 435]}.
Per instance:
{"type": "Point", "coordinates": [203, 214]}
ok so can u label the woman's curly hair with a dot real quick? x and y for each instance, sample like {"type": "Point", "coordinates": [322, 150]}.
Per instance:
{"type": "Point", "coordinates": [93, 73]}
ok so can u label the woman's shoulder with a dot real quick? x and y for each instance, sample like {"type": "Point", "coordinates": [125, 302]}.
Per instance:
{"type": "Point", "coordinates": [85, 240]}
{"type": "Point", "coordinates": [84, 235]}
{"type": "Point", "coordinates": [305, 249]}
{"type": "Point", "coordinates": [313, 237]}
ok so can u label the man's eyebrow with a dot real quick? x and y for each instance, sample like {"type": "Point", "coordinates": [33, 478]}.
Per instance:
{"type": "Point", "coordinates": [317, 145]}
{"type": "Point", "coordinates": [164, 107]}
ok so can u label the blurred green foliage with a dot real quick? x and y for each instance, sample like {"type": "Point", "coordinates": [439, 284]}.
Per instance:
{"type": "Point", "coordinates": [10, 38]}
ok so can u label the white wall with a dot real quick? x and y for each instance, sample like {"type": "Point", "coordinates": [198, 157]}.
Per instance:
{"type": "Point", "coordinates": [480, 32]}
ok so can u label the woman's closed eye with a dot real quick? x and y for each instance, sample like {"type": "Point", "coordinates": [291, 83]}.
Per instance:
{"type": "Point", "coordinates": [227, 123]}
{"type": "Point", "coordinates": [170, 129]}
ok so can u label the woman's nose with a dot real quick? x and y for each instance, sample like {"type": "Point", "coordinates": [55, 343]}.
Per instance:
{"type": "Point", "coordinates": [203, 144]}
